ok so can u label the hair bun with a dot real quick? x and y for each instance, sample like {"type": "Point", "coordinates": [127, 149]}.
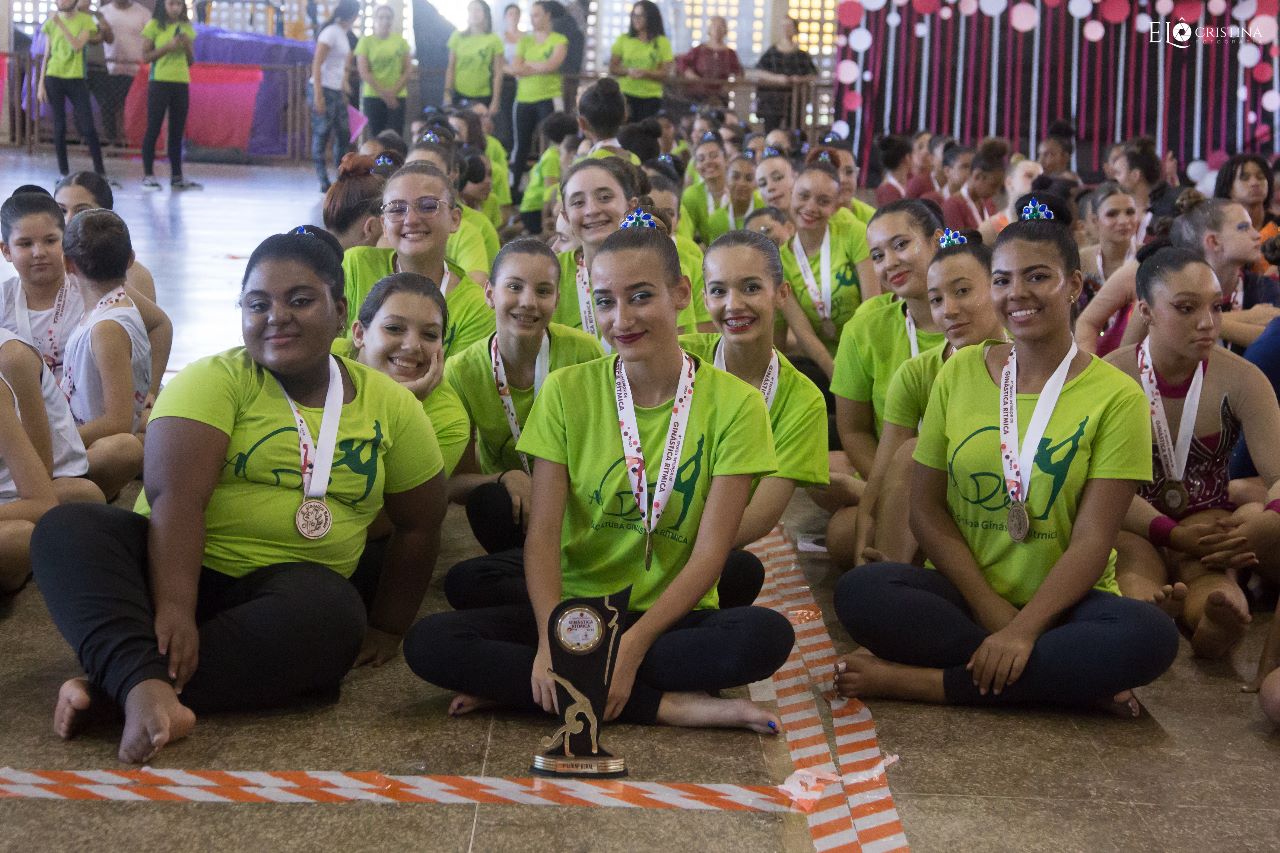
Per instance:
{"type": "Point", "coordinates": [355, 164]}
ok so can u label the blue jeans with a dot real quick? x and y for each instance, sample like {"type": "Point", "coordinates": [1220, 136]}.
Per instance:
{"type": "Point", "coordinates": [334, 121]}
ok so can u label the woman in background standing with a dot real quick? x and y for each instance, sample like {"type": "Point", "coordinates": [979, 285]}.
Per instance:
{"type": "Point", "coordinates": [384, 65]}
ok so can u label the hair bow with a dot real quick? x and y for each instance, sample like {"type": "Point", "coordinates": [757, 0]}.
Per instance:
{"type": "Point", "coordinates": [638, 218]}
{"type": "Point", "coordinates": [951, 238]}
{"type": "Point", "coordinates": [1036, 210]}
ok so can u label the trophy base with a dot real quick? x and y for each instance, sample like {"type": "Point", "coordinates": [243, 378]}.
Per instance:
{"type": "Point", "coordinates": [603, 766]}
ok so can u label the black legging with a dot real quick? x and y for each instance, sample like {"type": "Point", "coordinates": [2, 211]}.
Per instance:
{"type": "Point", "coordinates": [382, 117]}
{"type": "Point", "coordinates": [528, 117]}
{"type": "Point", "coordinates": [489, 653]}
{"type": "Point", "coordinates": [642, 108]}
{"type": "Point", "coordinates": [60, 90]}
{"type": "Point", "coordinates": [173, 98]}
{"type": "Point", "coordinates": [915, 616]}
{"type": "Point", "coordinates": [498, 579]}
{"type": "Point", "coordinates": [285, 632]}
{"type": "Point", "coordinates": [489, 514]}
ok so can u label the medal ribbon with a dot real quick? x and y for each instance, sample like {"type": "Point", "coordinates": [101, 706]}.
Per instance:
{"type": "Point", "coordinates": [968, 199]}
{"type": "Point", "coordinates": [768, 385]}
{"type": "Point", "coordinates": [605, 143]}
{"type": "Point", "coordinates": [584, 300]}
{"type": "Point", "coordinates": [48, 348]}
{"type": "Point", "coordinates": [821, 298]}
{"type": "Point", "coordinates": [317, 460]}
{"type": "Point", "coordinates": [540, 367]}
{"type": "Point", "coordinates": [633, 453]}
{"type": "Point", "coordinates": [711, 205]}
{"type": "Point", "coordinates": [911, 331]}
{"type": "Point", "coordinates": [1017, 464]}
{"type": "Point", "coordinates": [1173, 453]}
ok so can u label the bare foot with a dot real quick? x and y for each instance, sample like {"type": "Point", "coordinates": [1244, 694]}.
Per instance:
{"type": "Point", "coordinates": [153, 717]}
{"type": "Point", "coordinates": [72, 709]}
{"type": "Point", "coordinates": [1222, 625]}
{"type": "Point", "coordinates": [465, 703]}
{"type": "Point", "coordinates": [1171, 598]}
{"type": "Point", "coordinates": [862, 675]}
{"type": "Point", "coordinates": [702, 710]}
{"type": "Point", "coordinates": [1123, 704]}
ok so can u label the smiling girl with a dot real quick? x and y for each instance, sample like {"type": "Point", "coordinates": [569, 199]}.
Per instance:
{"type": "Point", "coordinates": [742, 199]}
{"type": "Point", "coordinates": [709, 193]}
{"type": "Point", "coordinates": [678, 645]}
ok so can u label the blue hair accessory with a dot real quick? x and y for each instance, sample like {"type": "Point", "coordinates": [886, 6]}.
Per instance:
{"type": "Point", "coordinates": [824, 157]}
{"type": "Point", "coordinates": [1036, 210]}
{"type": "Point", "coordinates": [832, 138]}
{"type": "Point", "coordinates": [709, 136]}
{"type": "Point", "coordinates": [771, 151]}
{"type": "Point", "coordinates": [384, 160]}
{"type": "Point", "coordinates": [302, 229]}
{"type": "Point", "coordinates": [430, 136]}
{"type": "Point", "coordinates": [951, 238]}
{"type": "Point", "coordinates": [639, 219]}
{"type": "Point", "coordinates": [666, 158]}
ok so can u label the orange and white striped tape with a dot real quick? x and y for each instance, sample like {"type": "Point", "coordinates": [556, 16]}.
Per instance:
{"type": "Point", "coordinates": [864, 798]}
{"type": "Point", "coordinates": [232, 786]}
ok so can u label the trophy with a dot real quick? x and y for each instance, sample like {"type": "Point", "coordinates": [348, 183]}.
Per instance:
{"type": "Point", "coordinates": [584, 643]}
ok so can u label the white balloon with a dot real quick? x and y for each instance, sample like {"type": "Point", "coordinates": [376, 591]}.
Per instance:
{"type": "Point", "coordinates": [1252, 117]}
{"type": "Point", "coordinates": [1217, 7]}
{"type": "Point", "coordinates": [847, 71]}
{"type": "Point", "coordinates": [860, 39]}
{"type": "Point", "coordinates": [993, 7]}
{"type": "Point", "coordinates": [1142, 23]}
{"type": "Point", "coordinates": [841, 41]}
{"type": "Point", "coordinates": [1196, 170]}
{"type": "Point", "coordinates": [1244, 10]}
{"type": "Point", "coordinates": [841, 128]}
{"type": "Point", "coordinates": [1164, 7]}
{"type": "Point", "coordinates": [1271, 101]}
{"type": "Point", "coordinates": [866, 75]}
{"type": "Point", "coordinates": [893, 19]}
{"type": "Point", "coordinates": [1082, 9]}
{"type": "Point", "coordinates": [1243, 93]}
{"type": "Point", "coordinates": [922, 29]}
{"type": "Point", "coordinates": [1250, 55]}
{"type": "Point", "coordinates": [1208, 183]}
{"type": "Point", "coordinates": [874, 5]}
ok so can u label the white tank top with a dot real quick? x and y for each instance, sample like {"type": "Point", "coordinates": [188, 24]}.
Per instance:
{"type": "Point", "coordinates": [69, 458]}
{"type": "Point", "coordinates": [81, 382]}
{"type": "Point", "coordinates": [48, 330]}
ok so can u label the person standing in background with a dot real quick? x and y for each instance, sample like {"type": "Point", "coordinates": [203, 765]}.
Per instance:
{"type": "Point", "coordinates": [567, 25]}
{"type": "Point", "coordinates": [538, 63]}
{"type": "Point", "coordinates": [783, 65]}
{"type": "Point", "coordinates": [328, 85]}
{"type": "Point", "coordinates": [713, 62]}
{"type": "Point", "coordinates": [169, 45]}
{"type": "Point", "coordinates": [474, 73]}
{"type": "Point", "coordinates": [124, 57]}
{"type": "Point", "coordinates": [62, 79]}
{"type": "Point", "coordinates": [95, 57]}
{"type": "Point", "coordinates": [384, 65]}
{"type": "Point", "coordinates": [504, 117]}
{"type": "Point", "coordinates": [641, 59]}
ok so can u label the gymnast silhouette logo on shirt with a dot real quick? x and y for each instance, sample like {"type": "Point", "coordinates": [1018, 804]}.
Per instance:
{"type": "Point", "coordinates": [986, 489]}
{"type": "Point", "coordinates": [620, 504]}
{"type": "Point", "coordinates": [359, 456]}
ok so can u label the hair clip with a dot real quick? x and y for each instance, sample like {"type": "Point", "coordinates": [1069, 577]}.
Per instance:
{"type": "Point", "coordinates": [771, 151]}
{"type": "Point", "coordinates": [832, 138]}
{"type": "Point", "coordinates": [666, 158]}
{"type": "Point", "coordinates": [824, 157]}
{"type": "Point", "coordinates": [430, 136]}
{"type": "Point", "coordinates": [302, 229]}
{"type": "Point", "coordinates": [384, 159]}
{"type": "Point", "coordinates": [709, 136]}
{"type": "Point", "coordinates": [638, 218]}
{"type": "Point", "coordinates": [1036, 210]}
{"type": "Point", "coordinates": [951, 238]}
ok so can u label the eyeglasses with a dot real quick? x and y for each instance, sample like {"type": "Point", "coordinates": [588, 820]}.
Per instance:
{"type": "Point", "coordinates": [396, 211]}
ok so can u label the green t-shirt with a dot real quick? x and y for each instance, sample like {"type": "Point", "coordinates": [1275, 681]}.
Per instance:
{"type": "Point", "coordinates": [450, 423]}
{"type": "Point", "coordinates": [718, 223]}
{"type": "Point", "coordinates": [172, 67]}
{"type": "Point", "coordinates": [691, 265]}
{"type": "Point", "coordinates": [693, 210]}
{"type": "Point", "coordinates": [385, 446]}
{"type": "Point", "coordinates": [601, 153]}
{"type": "Point", "coordinates": [1100, 429]}
{"type": "Point", "coordinates": [574, 422]}
{"type": "Point", "coordinates": [536, 194]}
{"type": "Point", "coordinates": [872, 347]}
{"type": "Point", "coordinates": [386, 61]}
{"type": "Point", "coordinates": [538, 87]}
{"type": "Point", "coordinates": [861, 210]}
{"type": "Point", "coordinates": [473, 67]}
{"type": "Point", "coordinates": [475, 235]}
{"type": "Point", "coordinates": [800, 449]}
{"type": "Point", "coordinates": [643, 56]}
{"type": "Point", "coordinates": [848, 247]}
{"type": "Point", "coordinates": [469, 317]}
{"type": "Point", "coordinates": [908, 394]}
{"type": "Point", "coordinates": [65, 62]}
{"type": "Point", "coordinates": [492, 211]}
{"type": "Point", "coordinates": [877, 301]}
{"type": "Point", "coordinates": [471, 376]}
{"type": "Point", "coordinates": [567, 307]}
{"type": "Point", "coordinates": [499, 168]}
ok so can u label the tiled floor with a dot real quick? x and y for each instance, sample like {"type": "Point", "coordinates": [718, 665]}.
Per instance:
{"type": "Point", "coordinates": [1200, 772]}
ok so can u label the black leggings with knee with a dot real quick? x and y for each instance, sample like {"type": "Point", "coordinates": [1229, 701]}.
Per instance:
{"type": "Point", "coordinates": [173, 98]}
{"type": "Point", "coordinates": [76, 90]}
{"type": "Point", "coordinates": [1103, 645]}
{"type": "Point", "coordinates": [283, 633]}
{"type": "Point", "coordinates": [489, 653]}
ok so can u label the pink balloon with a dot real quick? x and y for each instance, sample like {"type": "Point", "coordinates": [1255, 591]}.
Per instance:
{"type": "Point", "coordinates": [1263, 28]}
{"type": "Point", "coordinates": [968, 7]}
{"type": "Point", "coordinates": [1217, 8]}
{"type": "Point", "coordinates": [852, 100]}
{"type": "Point", "coordinates": [850, 14]}
{"type": "Point", "coordinates": [1094, 31]}
{"type": "Point", "coordinates": [1023, 17]}
{"type": "Point", "coordinates": [926, 7]}
{"type": "Point", "coordinates": [1261, 72]}
{"type": "Point", "coordinates": [1269, 7]}
{"type": "Point", "coordinates": [1115, 11]}
{"type": "Point", "coordinates": [1188, 10]}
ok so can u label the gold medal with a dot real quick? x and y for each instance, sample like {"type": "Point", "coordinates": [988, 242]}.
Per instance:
{"type": "Point", "coordinates": [1175, 498]}
{"type": "Point", "coordinates": [313, 519]}
{"type": "Point", "coordinates": [1019, 523]}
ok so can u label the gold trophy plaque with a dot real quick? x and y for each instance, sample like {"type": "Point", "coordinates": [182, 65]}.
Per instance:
{"type": "Point", "coordinates": [584, 643]}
